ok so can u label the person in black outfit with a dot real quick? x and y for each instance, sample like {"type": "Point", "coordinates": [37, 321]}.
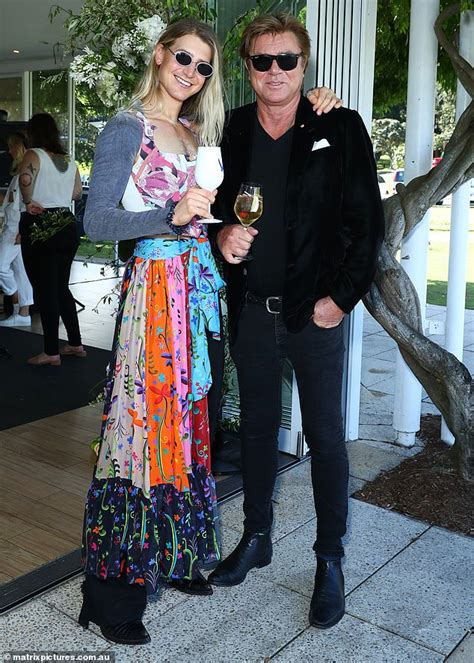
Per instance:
{"type": "Point", "coordinates": [314, 255]}
{"type": "Point", "coordinates": [49, 180]}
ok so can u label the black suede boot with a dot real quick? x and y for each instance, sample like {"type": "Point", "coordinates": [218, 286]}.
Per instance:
{"type": "Point", "coordinates": [106, 601]}
{"type": "Point", "coordinates": [328, 601]}
{"type": "Point", "coordinates": [254, 550]}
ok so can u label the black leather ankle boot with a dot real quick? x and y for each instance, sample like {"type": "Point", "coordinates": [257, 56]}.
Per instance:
{"type": "Point", "coordinates": [254, 550]}
{"type": "Point", "coordinates": [328, 602]}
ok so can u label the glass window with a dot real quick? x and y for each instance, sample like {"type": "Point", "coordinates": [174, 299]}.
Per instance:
{"type": "Point", "coordinates": [10, 97]}
{"type": "Point", "coordinates": [51, 97]}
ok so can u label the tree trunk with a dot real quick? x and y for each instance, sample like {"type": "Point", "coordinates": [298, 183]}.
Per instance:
{"type": "Point", "coordinates": [392, 299]}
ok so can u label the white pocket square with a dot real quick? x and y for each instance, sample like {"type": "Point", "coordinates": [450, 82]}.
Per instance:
{"type": "Point", "coordinates": [319, 144]}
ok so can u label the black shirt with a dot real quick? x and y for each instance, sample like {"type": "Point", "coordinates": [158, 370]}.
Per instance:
{"type": "Point", "coordinates": [269, 168]}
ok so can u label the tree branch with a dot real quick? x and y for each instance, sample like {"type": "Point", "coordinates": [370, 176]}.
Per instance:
{"type": "Point", "coordinates": [462, 68]}
{"type": "Point", "coordinates": [393, 300]}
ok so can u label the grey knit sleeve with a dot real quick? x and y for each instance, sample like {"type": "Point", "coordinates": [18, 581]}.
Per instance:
{"type": "Point", "coordinates": [116, 150]}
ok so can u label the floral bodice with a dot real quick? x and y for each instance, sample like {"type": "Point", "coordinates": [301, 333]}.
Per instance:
{"type": "Point", "coordinates": [162, 176]}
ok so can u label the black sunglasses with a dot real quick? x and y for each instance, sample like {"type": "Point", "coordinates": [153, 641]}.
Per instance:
{"type": "Point", "coordinates": [183, 58]}
{"type": "Point", "coordinates": [286, 61]}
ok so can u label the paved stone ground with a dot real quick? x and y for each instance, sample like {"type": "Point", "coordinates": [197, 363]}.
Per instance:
{"type": "Point", "coordinates": [408, 585]}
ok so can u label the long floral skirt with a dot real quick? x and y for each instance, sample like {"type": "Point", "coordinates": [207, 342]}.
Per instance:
{"type": "Point", "coordinates": [151, 508]}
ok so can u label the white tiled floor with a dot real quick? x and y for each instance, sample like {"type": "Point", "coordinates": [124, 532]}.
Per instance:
{"type": "Point", "coordinates": [406, 583]}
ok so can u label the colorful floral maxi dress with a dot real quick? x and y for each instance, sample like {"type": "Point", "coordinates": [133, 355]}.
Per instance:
{"type": "Point", "coordinates": [151, 507]}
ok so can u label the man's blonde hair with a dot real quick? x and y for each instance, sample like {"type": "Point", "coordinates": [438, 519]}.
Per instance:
{"type": "Point", "coordinates": [274, 24]}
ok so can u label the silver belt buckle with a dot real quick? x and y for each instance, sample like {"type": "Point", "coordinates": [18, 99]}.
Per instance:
{"type": "Point", "coordinates": [267, 305]}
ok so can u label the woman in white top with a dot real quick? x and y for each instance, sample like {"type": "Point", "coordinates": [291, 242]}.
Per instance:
{"type": "Point", "coordinates": [49, 180]}
{"type": "Point", "coordinates": [13, 279]}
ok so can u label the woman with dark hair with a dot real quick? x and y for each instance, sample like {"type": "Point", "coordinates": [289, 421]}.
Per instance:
{"type": "Point", "coordinates": [49, 181]}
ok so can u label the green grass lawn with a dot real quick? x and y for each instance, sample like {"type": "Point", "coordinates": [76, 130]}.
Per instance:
{"type": "Point", "coordinates": [100, 251]}
{"type": "Point", "coordinates": [438, 257]}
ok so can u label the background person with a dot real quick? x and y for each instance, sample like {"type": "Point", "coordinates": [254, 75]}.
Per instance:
{"type": "Point", "coordinates": [314, 254]}
{"type": "Point", "coordinates": [13, 279]}
{"type": "Point", "coordinates": [49, 181]}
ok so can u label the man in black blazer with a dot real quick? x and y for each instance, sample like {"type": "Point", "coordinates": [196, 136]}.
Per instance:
{"type": "Point", "coordinates": [314, 253]}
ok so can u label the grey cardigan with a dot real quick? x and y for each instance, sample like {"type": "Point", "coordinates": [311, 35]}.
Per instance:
{"type": "Point", "coordinates": [116, 151]}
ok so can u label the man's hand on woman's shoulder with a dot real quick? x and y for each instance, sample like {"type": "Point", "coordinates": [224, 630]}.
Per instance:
{"type": "Point", "coordinates": [323, 99]}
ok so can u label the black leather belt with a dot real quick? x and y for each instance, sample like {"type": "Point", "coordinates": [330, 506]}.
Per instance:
{"type": "Point", "coordinates": [272, 304]}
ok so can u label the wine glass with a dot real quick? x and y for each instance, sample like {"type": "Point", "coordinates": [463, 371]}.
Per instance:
{"type": "Point", "coordinates": [248, 207]}
{"type": "Point", "coordinates": [209, 172]}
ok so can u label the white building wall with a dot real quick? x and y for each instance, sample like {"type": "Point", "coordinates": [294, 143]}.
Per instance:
{"type": "Point", "coordinates": [343, 54]}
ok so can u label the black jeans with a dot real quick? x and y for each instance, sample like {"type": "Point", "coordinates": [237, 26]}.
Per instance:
{"type": "Point", "coordinates": [48, 266]}
{"type": "Point", "coordinates": [316, 354]}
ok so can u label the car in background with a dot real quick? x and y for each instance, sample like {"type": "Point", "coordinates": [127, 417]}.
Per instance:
{"type": "Point", "coordinates": [392, 178]}
{"type": "Point", "coordinates": [383, 187]}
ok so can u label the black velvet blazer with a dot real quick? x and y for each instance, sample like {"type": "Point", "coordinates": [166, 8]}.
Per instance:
{"type": "Point", "coordinates": [333, 211]}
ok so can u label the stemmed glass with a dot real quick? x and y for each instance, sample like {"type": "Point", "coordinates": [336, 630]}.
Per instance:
{"type": "Point", "coordinates": [248, 207]}
{"type": "Point", "coordinates": [209, 172]}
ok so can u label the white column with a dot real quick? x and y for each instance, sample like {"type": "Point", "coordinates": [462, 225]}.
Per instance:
{"type": "Point", "coordinates": [26, 95]}
{"type": "Point", "coordinates": [418, 158]}
{"type": "Point", "coordinates": [353, 341]}
{"type": "Point", "coordinates": [458, 238]}
{"type": "Point", "coordinates": [312, 16]}
{"type": "Point", "coordinates": [71, 114]}
{"type": "Point", "coordinates": [343, 50]}
{"type": "Point", "coordinates": [368, 31]}
{"type": "Point", "coordinates": [366, 45]}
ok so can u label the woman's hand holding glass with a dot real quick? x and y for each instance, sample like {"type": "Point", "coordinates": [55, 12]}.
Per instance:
{"type": "Point", "coordinates": [195, 202]}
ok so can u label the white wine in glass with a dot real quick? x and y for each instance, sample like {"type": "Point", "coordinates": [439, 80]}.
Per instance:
{"type": "Point", "coordinates": [209, 171]}
{"type": "Point", "coordinates": [248, 206]}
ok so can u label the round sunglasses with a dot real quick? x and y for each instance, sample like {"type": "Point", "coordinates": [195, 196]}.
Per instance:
{"type": "Point", "coordinates": [286, 61]}
{"type": "Point", "coordinates": [183, 58]}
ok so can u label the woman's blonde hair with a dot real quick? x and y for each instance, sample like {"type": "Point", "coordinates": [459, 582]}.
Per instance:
{"type": "Point", "coordinates": [206, 108]}
{"type": "Point", "coordinates": [18, 141]}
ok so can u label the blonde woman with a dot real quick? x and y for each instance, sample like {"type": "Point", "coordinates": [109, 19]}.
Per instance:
{"type": "Point", "coordinates": [13, 278]}
{"type": "Point", "coordinates": [151, 508]}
